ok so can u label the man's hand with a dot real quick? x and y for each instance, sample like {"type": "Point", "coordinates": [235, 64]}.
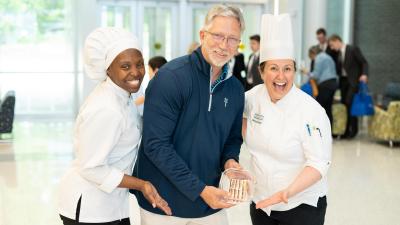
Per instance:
{"type": "Point", "coordinates": [304, 71]}
{"type": "Point", "coordinates": [215, 197]}
{"type": "Point", "coordinates": [364, 78]}
{"type": "Point", "coordinates": [151, 194]}
{"type": "Point", "coordinates": [281, 196]}
{"type": "Point", "coordinates": [231, 163]}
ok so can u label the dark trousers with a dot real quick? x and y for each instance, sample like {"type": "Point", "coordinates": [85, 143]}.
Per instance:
{"type": "Point", "coordinates": [68, 221]}
{"type": "Point", "coordinates": [326, 91]}
{"type": "Point", "coordinates": [347, 92]}
{"type": "Point", "coordinates": [301, 215]}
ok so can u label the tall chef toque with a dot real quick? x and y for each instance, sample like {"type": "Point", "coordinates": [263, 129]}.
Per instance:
{"type": "Point", "coordinates": [276, 37]}
{"type": "Point", "coordinates": [102, 46]}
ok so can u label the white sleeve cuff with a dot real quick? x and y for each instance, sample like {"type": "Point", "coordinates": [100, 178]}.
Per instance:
{"type": "Point", "coordinates": [112, 180]}
{"type": "Point", "coordinates": [322, 167]}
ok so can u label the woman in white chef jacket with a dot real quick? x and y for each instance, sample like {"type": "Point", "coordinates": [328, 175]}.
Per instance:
{"type": "Point", "coordinates": [288, 136]}
{"type": "Point", "coordinates": [107, 135]}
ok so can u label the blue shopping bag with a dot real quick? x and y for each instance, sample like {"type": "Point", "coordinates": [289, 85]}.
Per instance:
{"type": "Point", "coordinates": [362, 104]}
{"type": "Point", "coordinates": [310, 87]}
{"type": "Point", "coordinates": [306, 87]}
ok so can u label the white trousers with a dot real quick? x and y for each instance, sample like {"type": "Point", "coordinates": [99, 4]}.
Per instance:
{"type": "Point", "coordinates": [149, 218]}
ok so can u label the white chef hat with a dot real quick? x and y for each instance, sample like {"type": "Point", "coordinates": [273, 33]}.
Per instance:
{"type": "Point", "coordinates": [276, 38]}
{"type": "Point", "coordinates": [102, 46]}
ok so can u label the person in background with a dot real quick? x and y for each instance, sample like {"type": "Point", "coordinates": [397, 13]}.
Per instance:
{"type": "Point", "coordinates": [353, 68]}
{"type": "Point", "coordinates": [192, 126]}
{"type": "Point", "coordinates": [288, 136]}
{"type": "Point", "coordinates": [107, 133]}
{"type": "Point", "coordinates": [239, 67]}
{"type": "Point", "coordinates": [323, 46]}
{"type": "Point", "coordinates": [324, 74]}
{"type": "Point", "coordinates": [155, 63]}
{"type": "Point", "coordinates": [253, 77]}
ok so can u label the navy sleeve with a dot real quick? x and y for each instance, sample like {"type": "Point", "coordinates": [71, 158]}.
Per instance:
{"type": "Point", "coordinates": [361, 61]}
{"type": "Point", "coordinates": [232, 145]}
{"type": "Point", "coordinates": [164, 102]}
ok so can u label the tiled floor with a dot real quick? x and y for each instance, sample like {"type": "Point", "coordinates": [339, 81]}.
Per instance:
{"type": "Point", "coordinates": [364, 178]}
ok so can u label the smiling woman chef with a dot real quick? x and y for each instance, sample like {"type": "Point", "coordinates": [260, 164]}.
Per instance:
{"type": "Point", "coordinates": [107, 135]}
{"type": "Point", "coordinates": [288, 136]}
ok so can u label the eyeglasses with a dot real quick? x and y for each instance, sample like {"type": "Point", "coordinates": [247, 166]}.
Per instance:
{"type": "Point", "coordinates": [275, 69]}
{"type": "Point", "coordinates": [231, 41]}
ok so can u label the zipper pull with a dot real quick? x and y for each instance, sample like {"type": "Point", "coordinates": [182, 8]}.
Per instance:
{"type": "Point", "coordinates": [209, 102]}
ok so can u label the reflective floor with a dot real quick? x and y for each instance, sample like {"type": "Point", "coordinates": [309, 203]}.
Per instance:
{"type": "Point", "coordinates": [364, 178]}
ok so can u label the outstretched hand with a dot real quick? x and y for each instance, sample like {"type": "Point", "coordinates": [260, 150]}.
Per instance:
{"type": "Point", "coordinates": [151, 194]}
{"type": "Point", "coordinates": [215, 197]}
{"type": "Point", "coordinates": [281, 196]}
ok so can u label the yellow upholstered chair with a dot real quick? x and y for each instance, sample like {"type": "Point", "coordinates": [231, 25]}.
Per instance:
{"type": "Point", "coordinates": [385, 124]}
{"type": "Point", "coordinates": [339, 117]}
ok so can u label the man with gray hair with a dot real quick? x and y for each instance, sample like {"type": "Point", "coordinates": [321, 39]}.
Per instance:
{"type": "Point", "coordinates": [192, 126]}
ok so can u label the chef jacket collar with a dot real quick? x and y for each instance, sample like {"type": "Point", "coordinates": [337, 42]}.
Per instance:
{"type": "Point", "coordinates": [123, 94]}
{"type": "Point", "coordinates": [285, 101]}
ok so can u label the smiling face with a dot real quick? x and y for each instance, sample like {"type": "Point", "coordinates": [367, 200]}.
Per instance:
{"type": "Point", "coordinates": [127, 70]}
{"type": "Point", "coordinates": [221, 40]}
{"type": "Point", "coordinates": [278, 76]}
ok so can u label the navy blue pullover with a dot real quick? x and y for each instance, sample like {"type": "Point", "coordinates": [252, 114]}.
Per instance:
{"type": "Point", "coordinates": [189, 131]}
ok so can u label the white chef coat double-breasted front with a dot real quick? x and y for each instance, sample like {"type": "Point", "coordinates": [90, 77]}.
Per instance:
{"type": "Point", "coordinates": [106, 140]}
{"type": "Point", "coordinates": [283, 138]}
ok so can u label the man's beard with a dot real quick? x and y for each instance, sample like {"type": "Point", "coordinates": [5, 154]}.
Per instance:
{"type": "Point", "coordinates": [215, 61]}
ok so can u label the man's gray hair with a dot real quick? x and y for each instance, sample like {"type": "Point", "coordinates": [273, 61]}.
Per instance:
{"type": "Point", "coordinates": [226, 11]}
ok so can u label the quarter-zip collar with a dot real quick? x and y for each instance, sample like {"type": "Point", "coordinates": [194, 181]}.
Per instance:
{"type": "Point", "coordinates": [221, 77]}
{"type": "Point", "coordinates": [200, 62]}
{"type": "Point", "coordinates": [203, 66]}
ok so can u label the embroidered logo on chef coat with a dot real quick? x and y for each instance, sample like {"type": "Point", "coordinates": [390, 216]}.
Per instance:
{"type": "Point", "coordinates": [257, 118]}
{"type": "Point", "coordinates": [313, 129]}
{"type": "Point", "coordinates": [226, 101]}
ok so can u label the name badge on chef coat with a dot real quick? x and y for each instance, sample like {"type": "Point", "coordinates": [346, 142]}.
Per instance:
{"type": "Point", "coordinates": [257, 118]}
